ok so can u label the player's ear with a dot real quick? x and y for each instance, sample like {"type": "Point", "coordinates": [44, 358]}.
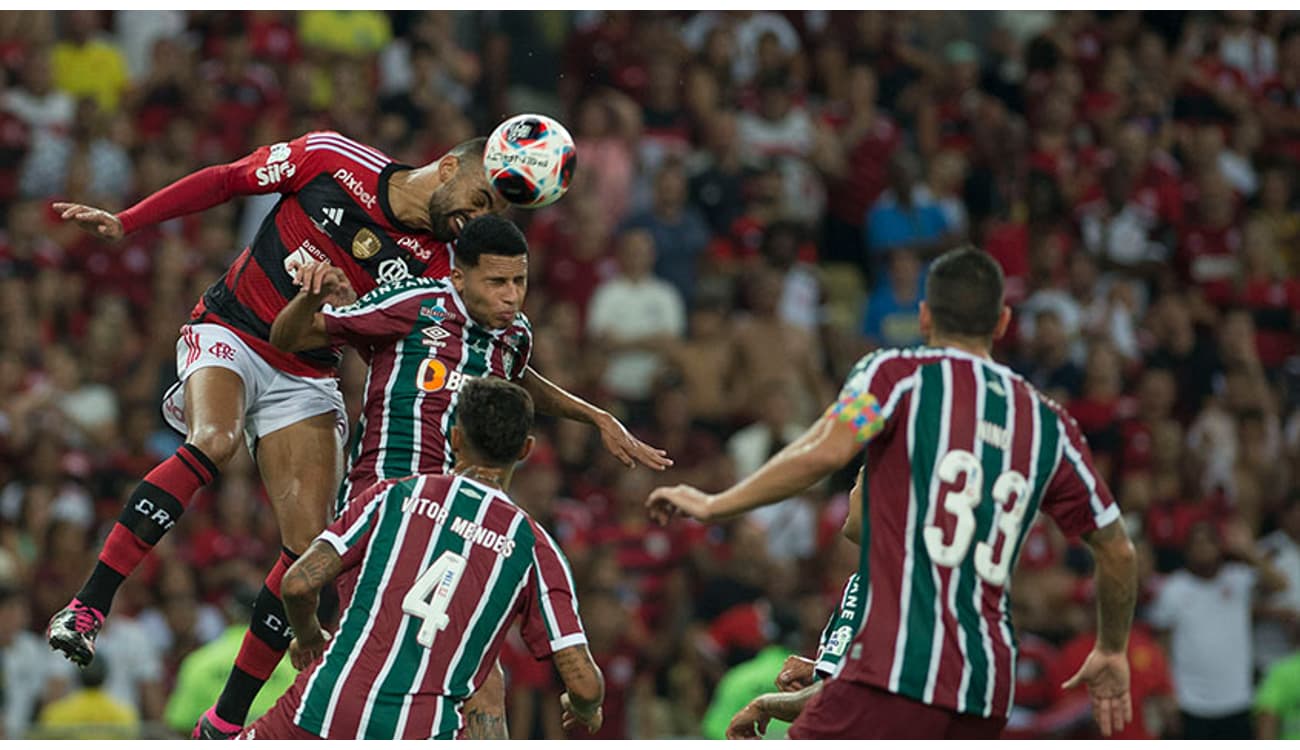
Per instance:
{"type": "Point", "coordinates": [458, 279]}
{"type": "Point", "coordinates": [457, 440]}
{"type": "Point", "coordinates": [926, 322]}
{"type": "Point", "coordinates": [528, 448]}
{"type": "Point", "coordinates": [448, 166]}
{"type": "Point", "coordinates": [1004, 320]}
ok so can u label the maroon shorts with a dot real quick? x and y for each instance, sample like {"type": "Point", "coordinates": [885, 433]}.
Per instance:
{"type": "Point", "coordinates": [846, 710]}
{"type": "Point", "coordinates": [277, 724]}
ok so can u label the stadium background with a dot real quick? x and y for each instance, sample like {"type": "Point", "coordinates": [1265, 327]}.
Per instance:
{"type": "Point", "coordinates": [734, 226]}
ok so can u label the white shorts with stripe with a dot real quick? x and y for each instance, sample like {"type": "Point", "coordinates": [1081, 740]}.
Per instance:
{"type": "Point", "coordinates": [273, 399]}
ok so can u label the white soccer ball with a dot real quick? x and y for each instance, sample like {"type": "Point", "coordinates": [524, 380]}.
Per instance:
{"type": "Point", "coordinates": [529, 160]}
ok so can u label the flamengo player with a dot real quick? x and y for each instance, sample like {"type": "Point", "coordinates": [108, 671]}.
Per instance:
{"type": "Point", "coordinates": [378, 222]}
{"type": "Point", "coordinates": [439, 567]}
{"type": "Point", "coordinates": [961, 455]}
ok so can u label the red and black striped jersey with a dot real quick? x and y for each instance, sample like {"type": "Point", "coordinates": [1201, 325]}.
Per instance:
{"type": "Point", "coordinates": [335, 209]}
{"type": "Point", "coordinates": [966, 455]}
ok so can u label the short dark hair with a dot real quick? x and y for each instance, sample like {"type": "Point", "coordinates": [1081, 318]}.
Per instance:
{"type": "Point", "coordinates": [963, 290]}
{"type": "Point", "coordinates": [495, 416]}
{"type": "Point", "coordinates": [489, 235]}
{"type": "Point", "coordinates": [472, 149]}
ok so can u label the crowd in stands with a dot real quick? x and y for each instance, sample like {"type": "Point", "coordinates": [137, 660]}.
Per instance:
{"type": "Point", "coordinates": [756, 200]}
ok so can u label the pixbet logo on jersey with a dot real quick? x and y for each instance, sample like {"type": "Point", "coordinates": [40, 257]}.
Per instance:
{"type": "Point", "coordinates": [358, 189]}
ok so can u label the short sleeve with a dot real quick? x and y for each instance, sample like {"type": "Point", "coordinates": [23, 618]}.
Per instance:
{"type": "Point", "coordinates": [350, 532]}
{"type": "Point", "coordinates": [283, 167]}
{"type": "Point", "coordinates": [523, 348]}
{"type": "Point", "coordinates": [383, 315]}
{"type": "Point", "coordinates": [872, 391]}
{"type": "Point", "coordinates": [1076, 498]}
{"type": "Point", "coordinates": [840, 631]}
{"type": "Point", "coordinates": [550, 619]}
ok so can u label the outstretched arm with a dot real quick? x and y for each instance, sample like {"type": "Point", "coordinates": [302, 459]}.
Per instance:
{"type": "Point", "coordinates": [751, 721]}
{"type": "Point", "coordinates": [551, 399]}
{"type": "Point", "coordinates": [300, 590]}
{"type": "Point", "coordinates": [823, 448]}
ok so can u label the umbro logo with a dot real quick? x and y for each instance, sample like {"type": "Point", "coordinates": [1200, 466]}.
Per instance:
{"type": "Point", "coordinates": [434, 335]}
{"type": "Point", "coordinates": [333, 214]}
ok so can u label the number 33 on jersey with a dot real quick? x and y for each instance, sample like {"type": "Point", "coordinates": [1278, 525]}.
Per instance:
{"type": "Point", "coordinates": [964, 455]}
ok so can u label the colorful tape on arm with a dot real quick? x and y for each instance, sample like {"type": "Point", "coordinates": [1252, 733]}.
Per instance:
{"type": "Point", "coordinates": [862, 411]}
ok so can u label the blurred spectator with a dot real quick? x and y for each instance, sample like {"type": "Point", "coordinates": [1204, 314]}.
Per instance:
{"type": "Point", "coordinates": [1277, 620]}
{"type": "Point", "coordinates": [32, 674]}
{"type": "Point", "coordinates": [352, 33]}
{"type": "Point", "coordinates": [1277, 704]}
{"type": "Point", "coordinates": [906, 217]}
{"type": "Point", "coordinates": [1206, 608]}
{"type": "Point", "coordinates": [88, 64]}
{"type": "Point", "coordinates": [679, 233]}
{"type": "Point", "coordinates": [89, 713]}
{"type": "Point", "coordinates": [632, 315]}
{"type": "Point", "coordinates": [892, 318]}
{"type": "Point", "coordinates": [748, 28]}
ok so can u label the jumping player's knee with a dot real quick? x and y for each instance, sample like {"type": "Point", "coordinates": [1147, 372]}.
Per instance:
{"type": "Point", "coordinates": [219, 444]}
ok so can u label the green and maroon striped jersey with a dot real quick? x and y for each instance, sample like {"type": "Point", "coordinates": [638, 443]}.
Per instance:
{"type": "Point", "coordinates": [967, 455]}
{"type": "Point", "coordinates": [420, 344]}
{"type": "Point", "coordinates": [435, 569]}
{"type": "Point", "coordinates": [839, 631]}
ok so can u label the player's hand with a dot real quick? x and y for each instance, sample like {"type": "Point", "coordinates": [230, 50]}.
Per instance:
{"type": "Point", "coordinates": [1106, 675]}
{"type": "Point", "coordinates": [307, 649]}
{"type": "Point", "coordinates": [749, 723]}
{"type": "Point", "coordinates": [325, 282]}
{"type": "Point", "coordinates": [570, 718]}
{"type": "Point", "coordinates": [626, 447]}
{"type": "Point", "coordinates": [796, 674]}
{"type": "Point", "coordinates": [666, 502]}
{"type": "Point", "coordinates": [96, 221]}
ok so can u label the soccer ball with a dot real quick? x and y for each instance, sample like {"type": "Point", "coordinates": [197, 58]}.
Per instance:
{"type": "Point", "coordinates": [530, 159]}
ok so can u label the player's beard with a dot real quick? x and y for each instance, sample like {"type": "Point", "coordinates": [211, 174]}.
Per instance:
{"type": "Point", "coordinates": [441, 214]}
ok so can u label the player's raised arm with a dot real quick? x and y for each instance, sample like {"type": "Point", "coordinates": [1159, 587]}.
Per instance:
{"type": "Point", "coordinates": [553, 400]}
{"type": "Point", "coordinates": [584, 688]}
{"type": "Point", "coordinates": [830, 443]}
{"type": "Point", "coordinates": [266, 170]}
{"type": "Point", "coordinates": [300, 326]}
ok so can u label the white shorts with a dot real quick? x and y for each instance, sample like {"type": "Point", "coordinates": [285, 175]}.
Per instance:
{"type": "Point", "coordinates": [272, 399]}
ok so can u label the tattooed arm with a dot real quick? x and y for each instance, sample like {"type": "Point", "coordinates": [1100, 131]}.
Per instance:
{"type": "Point", "coordinates": [485, 711]}
{"type": "Point", "coordinates": [300, 590]}
{"type": "Point", "coordinates": [584, 688]}
{"type": "Point", "coordinates": [1106, 671]}
{"type": "Point", "coordinates": [751, 721]}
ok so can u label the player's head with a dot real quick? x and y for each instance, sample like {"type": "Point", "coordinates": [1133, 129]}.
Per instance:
{"type": "Point", "coordinates": [493, 420]}
{"type": "Point", "coordinates": [463, 192]}
{"type": "Point", "coordinates": [963, 299]}
{"type": "Point", "coordinates": [491, 270]}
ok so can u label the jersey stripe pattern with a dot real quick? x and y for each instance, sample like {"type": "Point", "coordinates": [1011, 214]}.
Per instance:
{"type": "Point", "coordinates": [421, 344]}
{"type": "Point", "coordinates": [376, 679]}
{"type": "Point", "coordinates": [839, 631]}
{"type": "Point", "coordinates": [335, 209]}
{"type": "Point", "coordinates": [968, 455]}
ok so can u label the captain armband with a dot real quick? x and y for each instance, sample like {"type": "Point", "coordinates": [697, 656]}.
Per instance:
{"type": "Point", "coordinates": [862, 411]}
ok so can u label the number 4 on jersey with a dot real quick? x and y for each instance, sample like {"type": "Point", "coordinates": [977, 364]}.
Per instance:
{"type": "Point", "coordinates": [441, 579]}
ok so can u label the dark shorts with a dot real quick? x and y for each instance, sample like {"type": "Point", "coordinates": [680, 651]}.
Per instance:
{"type": "Point", "coordinates": [846, 710]}
{"type": "Point", "coordinates": [277, 724]}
